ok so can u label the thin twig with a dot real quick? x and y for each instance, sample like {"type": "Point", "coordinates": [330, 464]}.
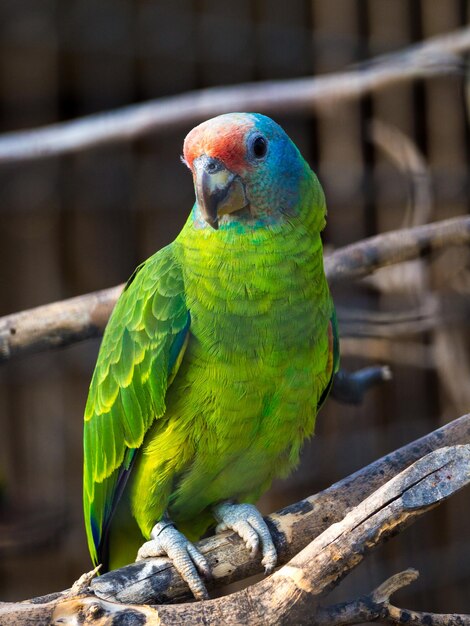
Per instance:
{"type": "Point", "coordinates": [435, 56]}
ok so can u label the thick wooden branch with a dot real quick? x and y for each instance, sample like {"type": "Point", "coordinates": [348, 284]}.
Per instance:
{"type": "Point", "coordinates": [376, 607]}
{"type": "Point", "coordinates": [292, 594]}
{"type": "Point", "coordinates": [436, 56]}
{"type": "Point", "coordinates": [62, 323]}
{"type": "Point", "coordinates": [293, 528]}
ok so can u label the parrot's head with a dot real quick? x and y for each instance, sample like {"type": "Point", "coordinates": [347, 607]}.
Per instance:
{"type": "Point", "coordinates": [248, 172]}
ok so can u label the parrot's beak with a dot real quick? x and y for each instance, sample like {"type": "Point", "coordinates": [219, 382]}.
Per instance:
{"type": "Point", "coordinates": [218, 190]}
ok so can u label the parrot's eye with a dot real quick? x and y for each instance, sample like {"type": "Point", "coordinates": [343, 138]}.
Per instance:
{"type": "Point", "coordinates": [258, 146]}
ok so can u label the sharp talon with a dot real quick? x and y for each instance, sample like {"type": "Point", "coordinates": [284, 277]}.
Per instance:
{"type": "Point", "coordinates": [199, 561]}
{"type": "Point", "coordinates": [269, 562]}
{"type": "Point", "coordinates": [252, 546]}
{"type": "Point", "coordinates": [202, 595]}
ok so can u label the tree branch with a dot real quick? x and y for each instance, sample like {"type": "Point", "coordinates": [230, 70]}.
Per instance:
{"type": "Point", "coordinates": [376, 607]}
{"type": "Point", "coordinates": [293, 527]}
{"type": "Point", "coordinates": [435, 56]}
{"type": "Point", "coordinates": [62, 323]}
{"type": "Point", "coordinates": [364, 257]}
{"type": "Point", "coordinates": [57, 324]}
{"type": "Point", "coordinates": [291, 594]}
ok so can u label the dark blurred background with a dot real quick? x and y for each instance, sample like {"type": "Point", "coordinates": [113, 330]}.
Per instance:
{"type": "Point", "coordinates": [78, 223]}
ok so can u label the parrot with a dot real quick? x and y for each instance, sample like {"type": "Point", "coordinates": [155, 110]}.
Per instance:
{"type": "Point", "coordinates": [216, 358]}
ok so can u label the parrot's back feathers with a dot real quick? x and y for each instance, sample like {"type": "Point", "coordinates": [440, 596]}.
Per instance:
{"type": "Point", "coordinates": [141, 349]}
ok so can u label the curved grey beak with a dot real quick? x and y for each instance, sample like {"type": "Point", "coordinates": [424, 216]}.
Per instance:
{"type": "Point", "coordinates": [218, 190]}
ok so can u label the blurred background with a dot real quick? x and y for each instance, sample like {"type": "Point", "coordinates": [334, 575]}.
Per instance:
{"type": "Point", "coordinates": [74, 224]}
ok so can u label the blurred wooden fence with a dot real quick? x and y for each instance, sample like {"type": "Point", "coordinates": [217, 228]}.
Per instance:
{"type": "Point", "coordinates": [78, 223]}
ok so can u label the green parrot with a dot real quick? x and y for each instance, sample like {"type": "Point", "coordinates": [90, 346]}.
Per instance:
{"type": "Point", "coordinates": [216, 359]}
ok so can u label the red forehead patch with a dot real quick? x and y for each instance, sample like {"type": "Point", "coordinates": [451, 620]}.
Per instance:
{"type": "Point", "coordinates": [222, 138]}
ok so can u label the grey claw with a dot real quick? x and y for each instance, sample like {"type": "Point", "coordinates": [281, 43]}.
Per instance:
{"type": "Point", "coordinates": [186, 558]}
{"type": "Point", "coordinates": [248, 523]}
{"type": "Point", "coordinates": [199, 560]}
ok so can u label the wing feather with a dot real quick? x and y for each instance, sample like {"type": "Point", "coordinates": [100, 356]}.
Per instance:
{"type": "Point", "coordinates": [141, 350]}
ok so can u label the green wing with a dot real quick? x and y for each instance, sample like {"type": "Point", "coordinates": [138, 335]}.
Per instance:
{"type": "Point", "coordinates": [334, 356]}
{"type": "Point", "coordinates": [141, 350]}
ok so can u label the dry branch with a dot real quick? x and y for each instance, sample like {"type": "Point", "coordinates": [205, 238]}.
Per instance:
{"type": "Point", "coordinates": [62, 323]}
{"type": "Point", "coordinates": [292, 594]}
{"type": "Point", "coordinates": [376, 607]}
{"type": "Point", "coordinates": [156, 581]}
{"type": "Point", "coordinates": [436, 56]}
{"type": "Point", "coordinates": [57, 324]}
{"type": "Point", "coordinates": [364, 257]}
{"type": "Point", "coordinates": [292, 527]}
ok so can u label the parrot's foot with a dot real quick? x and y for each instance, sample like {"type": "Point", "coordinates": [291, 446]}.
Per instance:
{"type": "Point", "coordinates": [350, 387]}
{"type": "Point", "coordinates": [247, 521]}
{"type": "Point", "coordinates": [187, 560]}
